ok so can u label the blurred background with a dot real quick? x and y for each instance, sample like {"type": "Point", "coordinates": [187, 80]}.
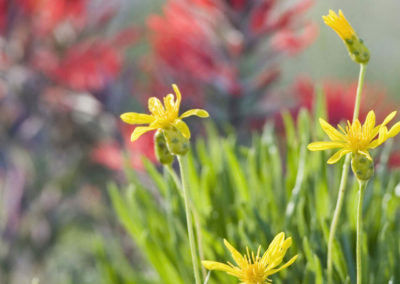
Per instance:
{"type": "Point", "coordinates": [69, 68]}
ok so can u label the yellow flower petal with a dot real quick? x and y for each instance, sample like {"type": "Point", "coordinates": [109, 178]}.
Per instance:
{"type": "Point", "coordinates": [239, 259]}
{"type": "Point", "coordinates": [366, 154]}
{"type": "Point", "coordinates": [331, 131]}
{"type": "Point", "coordinates": [139, 131]}
{"type": "Point", "coordinates": [213, 265]}
{"type": "Point", "coordinates": [197, 112]}
{"type": "Point", "coordinates": [136, 118]}
{"type": "Point", "coordinates": [324, 145]}
{"type": "Point", "coordinates": [178, 97]}
{"type": "Point", "coordinates": [394, 130]}
{"type": "Point", "coordinates": [389, 118]}
{"type": "Point", "coordinates": [169, 103]}
{"type": "Point", "coordinates": [369, 124]}
{"type": "Point", "coordinates": [338, 155]}
{"type": "Point", "coordinates": [156, 107]}
{"type": "Point", "coordinates": [290, 262]}
{"type": "Point", "coordinates": [383, 135]}
{"type": "Point", "coordinates": [183, 128]}
{"type": "Point", "coordinates": [386, 121]}
{"type": "Point", "coordinates": [273, 246]}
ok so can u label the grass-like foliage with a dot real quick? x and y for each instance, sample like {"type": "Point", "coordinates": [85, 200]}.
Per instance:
{"type": "Point", "coordinates": [248, 194]}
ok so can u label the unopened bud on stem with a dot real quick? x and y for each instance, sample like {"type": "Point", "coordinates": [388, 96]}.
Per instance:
{"type": "Point", "coordinates": [163, 155]}
{"type": "Point", "coordinates": [177, 144]}
{"type": "Point", "coordinates": [362, 167]}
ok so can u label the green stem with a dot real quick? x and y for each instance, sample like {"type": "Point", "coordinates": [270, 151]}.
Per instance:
{"type": "Point", "coordinates": [181, 160]}
{"type": "Point", "coordinates": [196, 216]}
{"type": "Point", "coordinates": [343, 180]}
{"type": "Point", "coordinates": [357, 103]}
{"type": "Point", "coordinates": [361, 190]}
{"type": "Point", "coordinates": [336, 214]}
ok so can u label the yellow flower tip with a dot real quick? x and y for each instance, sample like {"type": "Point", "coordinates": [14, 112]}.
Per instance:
{"type": "Point", "coordinates": [310, 147]}
{"type": "Point", "coordinates": [177, 92]}
{"type": "Point", "coordinates": [207, 264]}
{"type": "Point", "coordinates": [125, 118]}
{"type": "Point", "coordinates": [339, 24]}
{"type": "Point", "coordinates": [203, 113]}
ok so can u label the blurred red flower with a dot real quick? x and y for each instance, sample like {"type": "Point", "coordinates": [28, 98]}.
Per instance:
{"type": "Point", "coordinates": [3, 15]}
{"type": "Point", "coordinates": [184, 43]}
{"type": "Point", "coordinates": [87, 65]}
{"type": "Point", "coordinates": [340, 99]}
{"type": "Point", "coordinates": [208, 41]}
{"type": "Point", "coordinates": [291, 41]}
{"type": "Point", "coordinates": [394, 160]}
{"type": "Point", "coordinates": [46, 15]}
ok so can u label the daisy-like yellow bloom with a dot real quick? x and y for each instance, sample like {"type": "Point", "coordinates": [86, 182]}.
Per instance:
{"type": "Point", "coordinates": [338, 22]}
{"type": "Point", "coordinates": [356, 138]}
{"type": "Point", "coordinates": [162, 116]}
{"type": "Point", "coordinates": [254, 268]}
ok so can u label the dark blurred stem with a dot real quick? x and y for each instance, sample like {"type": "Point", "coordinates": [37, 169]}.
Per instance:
{"type": "Point", "coordinates": [182, 166]}
{"type": "Point", "coordinates": [196, 217]}
{"type": "Point", "coordinates": [343, 180]}
{"type": "Point", "coordinates": [361, 190]}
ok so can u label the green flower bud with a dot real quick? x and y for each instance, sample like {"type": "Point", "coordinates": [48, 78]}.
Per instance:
{"type": "Point", "coordinates": [163, 155]}
{"type": "Point", "coordinates": [362, 167]}
{"type": "Point", "coordinates": [357, 50]}
{"type": "Point", "coordinates": [177, 144]}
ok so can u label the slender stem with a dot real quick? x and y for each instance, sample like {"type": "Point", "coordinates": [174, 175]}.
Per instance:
{"type": "Point", "coordinates": [336, 214]}
{"type": "Point", "coordinates": [196, 216]}
{"type": "Point", "coordinates": [361, 190]}
{"type": "Point", "coordinates": [357, 103]}
{"type": "Point", "coordinates": [343, 180]}
{"type": "Point", "coordinates": [181, 160]}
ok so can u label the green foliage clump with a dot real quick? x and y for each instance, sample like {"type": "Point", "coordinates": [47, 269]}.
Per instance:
{"type": "Point", "coordinates": [248, 194]}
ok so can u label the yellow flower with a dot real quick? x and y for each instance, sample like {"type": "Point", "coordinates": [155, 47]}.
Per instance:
{"type": "Point", "coordinates": [162, 116]}
{"type": "Point", "coordinates": [356, 138]}
{"type": "Point", "coordinates": [357, 50]}
{"type": "Point", "coordinates": [340, 25]}
{"type": "Point", "coordinates": [255, 269]}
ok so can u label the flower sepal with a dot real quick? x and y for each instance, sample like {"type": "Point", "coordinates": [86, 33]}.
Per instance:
{"type": "Point", "coordinates": [177, 143]}
{"type": "Point", "coordinates": [358, 52]}
{"type": "Point", "coordinates": [363, 167]}
{"type": "Point", "coordinates": [163, 155]}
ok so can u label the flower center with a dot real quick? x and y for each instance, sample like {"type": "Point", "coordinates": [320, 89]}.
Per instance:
{"type": "Point", "coordinates": [357, 141]}
{"type": "Point", "coordinates": [166, 118]}
{"type": "Point", "coordinates": [254, 273]}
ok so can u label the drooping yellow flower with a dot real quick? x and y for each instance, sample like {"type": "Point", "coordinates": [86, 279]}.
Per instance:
{"type": "Point", "coordinates": [340, 25]}
{"type": "Point", "coordinates": [357, 50]}
{"type": "Point", "coordinates": [356, 138]}
{"type": "Point", "coordinates": [255, 269]}
{"type": "Point", "coordinates": [162, 116]}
